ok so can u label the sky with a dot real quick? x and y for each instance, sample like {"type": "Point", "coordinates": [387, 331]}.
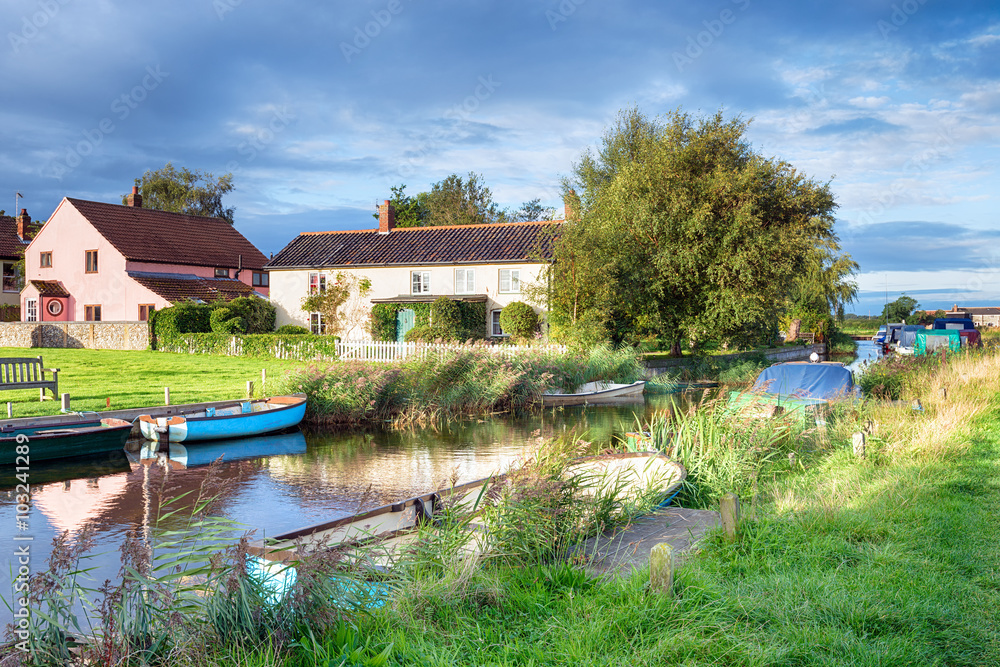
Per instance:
{"type": "Point", "coordinates": [319, 108]}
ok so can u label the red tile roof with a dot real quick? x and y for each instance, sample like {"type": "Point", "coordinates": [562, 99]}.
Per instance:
{"type": "Point", "coordinates": [176, 287]}
{"type": "Point", "coordinates": [11, 246]}
{"type": "Point", "coordinates": [456, 244]}
{"type": "Point", "coordinates": [49, 288]}
{"type": "Point", "coordinates": [147, 235]}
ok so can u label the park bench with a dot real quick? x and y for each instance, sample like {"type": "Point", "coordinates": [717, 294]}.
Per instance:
{"type": "Point", "coordinates": [28, 373]}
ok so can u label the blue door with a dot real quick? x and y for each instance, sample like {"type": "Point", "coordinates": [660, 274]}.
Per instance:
{"type": "Point", "coordinates": [404, 322]}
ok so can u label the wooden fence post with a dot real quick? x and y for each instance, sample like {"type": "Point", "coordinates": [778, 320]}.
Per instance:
{"type": "Point", "coordinates": [10, 410]}
{"type": "Point", "coordinates": [166, 395]}
{"type": "Point", "coordinates": [661, 569]}
{"type": "Point", "coordinates": [858, 440]}
{"type": "Point", "coordinates": [729, 507]}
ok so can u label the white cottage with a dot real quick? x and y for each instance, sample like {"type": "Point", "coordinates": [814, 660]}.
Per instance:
{"type": "Point", "coordinates": [405, 266]}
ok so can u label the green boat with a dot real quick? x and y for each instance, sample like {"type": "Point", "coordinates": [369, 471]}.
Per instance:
{"type": "Point", "coordinates": [60, 442]}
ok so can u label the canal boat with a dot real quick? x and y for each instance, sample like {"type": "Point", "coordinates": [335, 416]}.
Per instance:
{"type": "Point", "coordinates": [797, 386]}
{"type": "Point", "coordinates": [240, 421]}
{"type": "Point", "coordinates": [179, 456]}
{"type": "Point", "coordinates": [380, 533]}
{"type": "Point", "coordinates": [61, 443]}
{"type": "Point", "coordinates": [594, 393]}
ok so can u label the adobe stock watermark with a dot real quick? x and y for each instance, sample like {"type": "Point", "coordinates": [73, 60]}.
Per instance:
{"type": "Point", "coordinates": [32, 24]}
{"type": "Point", "coordinates": [223, 7]}
{"type": "Point", "coordinates": [899, 16]}
{"type": "Point", "coordinates": [566, 9]}
{"type": "Point", "coordinates": [463, 111]}
{"type": "Point", "coordinates": [363, 35]}
{"type": "Point", "coordinates": [703, 39]}
{"type": "Point", "coordinates": [122, 107]}
{"type": "Point", "coordinates": [261, 138]}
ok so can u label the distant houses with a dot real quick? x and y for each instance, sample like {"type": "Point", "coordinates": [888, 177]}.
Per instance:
{"type": "Point", "coordinates": [15, 235]}
{"type": "Point", "coordinates": [481, 264]}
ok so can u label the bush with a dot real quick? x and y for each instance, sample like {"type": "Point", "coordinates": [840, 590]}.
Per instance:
{"type": "Point", "coordinates": [446, 314]}
{"type": "Point", "coordinates": [225, 321]}
{"type": "Point", "coordinates": [519, 320]}
{"type": "Point", "coordinates": [430, 335]}
{"type": "Point", "coordinates": [292, 329]}
{"type": "Point", "coordinates": [258, 313]}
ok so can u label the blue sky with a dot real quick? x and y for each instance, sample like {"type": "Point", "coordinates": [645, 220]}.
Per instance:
{"type": "Point", "coordinates": [319, 107]}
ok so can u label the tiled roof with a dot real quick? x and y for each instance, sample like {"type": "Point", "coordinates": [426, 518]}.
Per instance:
{"type": "Point", "coordinates": [49, 288]}
{"type": "Point", "coordinates": [146, 235]}
{"type": "Point", "coordinates": [468, 244]}
{"type": "Point", "coordinates": [11, 246]}
{"type": "Point", "coordinates": [176, 287]}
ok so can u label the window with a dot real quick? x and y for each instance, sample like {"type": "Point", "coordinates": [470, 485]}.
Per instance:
{"type": "Point", "coordinates": [420, 282]}
{"type": "Point", "coordinates": [316, 323]}
{"type": "Point", "coordinates": [144, 310]}
{"type": "Point", "coordinates": [91, 261]}
{"type": "Point", "coordinates": [222, 273]}
{"type": "Point", "coordinates": [510, 281]}
{"type": "Point", "coordinates": [45, 260]}
{"type": "Point", "coordinates": [495, 320]}
{"type": "Point", "coordinates": [465, 281]}
{"type": "Point", "coordinates": [317, 282]}
{"type": "Point", "coordinates": [11, 281]}
{"type": "Point", "coordinates": [31, 310]}
{"type": "Point", "coordinates": [55, 307]}
{"type": "Point", "coordinates": [92, 313]}
{"type": "Point", "coordinates": [260, 279]}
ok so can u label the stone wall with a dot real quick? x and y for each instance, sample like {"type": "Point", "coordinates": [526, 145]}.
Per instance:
{"type": "Point", "coordinates": [86, 335]}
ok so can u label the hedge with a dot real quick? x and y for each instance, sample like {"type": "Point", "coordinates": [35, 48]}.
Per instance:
{"type": "Point", "coordinates": [280, 346]}
{"type": "Point", "coordinates": [383, 320]}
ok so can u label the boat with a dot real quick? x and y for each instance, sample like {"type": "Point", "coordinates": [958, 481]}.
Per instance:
{"type": "Point", "coordinates": [65, 442]}
{"type": "Point", "coordinates": [31, 425]}
{"type": "Point", "coordinates": [246, 419]}
{"type": "Point", "coordinates": [966, 329]}
{"type": "Point", "coordinates": [382, 531]}
{"type": "Point", "coordinates": [930, 341]}
{"type": "Point", "coordinates": [906, 338]}
{"type": "Point", "coordinates": [181, 456]}
{"type": "Point", "coordinates": [596, 392]}
{"type": "Point", "coordinates": [797, 386]}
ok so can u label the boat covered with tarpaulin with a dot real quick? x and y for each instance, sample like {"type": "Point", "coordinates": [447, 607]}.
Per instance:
{"type": "Point", "coordinates": [930, 341]}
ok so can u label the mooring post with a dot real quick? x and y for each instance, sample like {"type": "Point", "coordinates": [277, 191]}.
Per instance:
{"type": "Point", "coordinates": [249, 389]}
{"type": "Point", "coordinates": [859, 444]}
{"type": "Point", "coordinates": [661, 569]}
{"type": "Point", "coordinates": [729, 508]}
{"type": "Point", "coordinates": [65, 402]}
{"type": "Point", "coordinates": [10, 410]}
{"type": "Point", "coordinates": [166, 395]}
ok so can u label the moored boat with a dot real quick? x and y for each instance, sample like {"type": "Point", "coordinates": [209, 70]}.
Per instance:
{"type": "Point", "coordinates": [63, 442]}
{"type": "Point", "coordinates": [797, 386]}
{"type": "Point", "coordinates": [596, 393]}
{"type": "Point", "coordinates": [244, 420]}
{"type": "Point", "coordinates": [185, 456]}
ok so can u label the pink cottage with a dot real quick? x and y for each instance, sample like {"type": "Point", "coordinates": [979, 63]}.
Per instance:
{"type": "Point", "coordinates": [94, 261]}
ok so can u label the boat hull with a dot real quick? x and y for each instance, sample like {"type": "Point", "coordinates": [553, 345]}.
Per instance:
{"type": "Point", "coordinates": [197, 454]}
{"type": "Point", "coordinates": [268, 416]}
{"type": "Point", "coordinates": [600, 393]}
{"type": "Point", "coordinates": [62, 443]}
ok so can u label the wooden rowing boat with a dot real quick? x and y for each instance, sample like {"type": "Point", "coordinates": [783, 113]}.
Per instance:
{"type": "Point", "coordinates": [596, 393]}
{"type": "Point", "coordinates": [42, 444]}
{"type": "Point", "coordinates": [180, 456]}
{"type": "Point", "coordinates": [244, 420]}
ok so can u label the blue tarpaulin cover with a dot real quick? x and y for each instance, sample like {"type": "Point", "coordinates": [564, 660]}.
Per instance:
{"type": "Point", "coordinates": [822, 381]}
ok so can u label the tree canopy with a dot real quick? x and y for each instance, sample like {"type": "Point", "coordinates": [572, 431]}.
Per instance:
{"type": "Point", "coordinates": [900, 309]}
{"type": "Point", "coordinates": [185, 191]}
{"type": "Point", "coordinates": [683, 230]}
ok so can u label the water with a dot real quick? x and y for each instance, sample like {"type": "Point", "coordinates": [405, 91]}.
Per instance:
{"type": "Point", "coordinates": [865, 351]}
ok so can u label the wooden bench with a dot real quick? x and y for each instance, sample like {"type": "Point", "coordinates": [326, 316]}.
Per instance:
{"type": "Point", "coordinates": [28, 373]}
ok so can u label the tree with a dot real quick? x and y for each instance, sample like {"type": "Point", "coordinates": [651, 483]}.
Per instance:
{"type": "Point", "coordinates": [900, 309]}
{"type": "Point", "coordinates": [455, 201]}
{"type": "Point", "coordinates": [185, 191]}
{"type": "Point", "coordinates": [684, 231]}
{"type": "Point", "coordinates": [410, 211]}
{"type": "Point", "coordinates": [531, 211]}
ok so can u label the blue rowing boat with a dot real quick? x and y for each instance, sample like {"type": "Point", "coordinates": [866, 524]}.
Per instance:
{"type": "Point", "coordinates": [241, 421]}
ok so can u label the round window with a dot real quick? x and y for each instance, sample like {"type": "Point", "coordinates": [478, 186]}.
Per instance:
{"type": "Point", "coordinates": [54, 307]}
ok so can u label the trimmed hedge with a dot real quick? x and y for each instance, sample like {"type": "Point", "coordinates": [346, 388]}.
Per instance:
{"type": "Point", "coordinates": [472, 319]}
{"type": "Point", "coordinates": [519, 320]}
{"type": "Point", "coordinates": [280, 346]}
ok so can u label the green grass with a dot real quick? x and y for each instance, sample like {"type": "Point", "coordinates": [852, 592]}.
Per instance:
{"type": "Point", "coordinates": [133, 379]}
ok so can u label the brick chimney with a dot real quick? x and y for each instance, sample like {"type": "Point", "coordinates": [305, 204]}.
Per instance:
{"type": "Point", "coordinates": [25, 230]}
{"type": "Point", "coordinates": [570, 201]}
{"type": "Point", "coordinates": [386, 218]}
{"type": "Point", "coordinates": [135, 199]}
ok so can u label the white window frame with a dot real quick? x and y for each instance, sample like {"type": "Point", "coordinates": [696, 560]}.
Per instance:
{"type": "Point", "coordinates": [319, 283]}
{"type": "Point", "coordinates": [495, 329]}
{"type": "Point", "coordinates": [31, 310]}
{"type": "Point", "coordinates": [512, 277]}
{"type": "Point", "coordinates": [420, 282]}
{"type": "Point", "coordinates": [465, 281]}
{"type": "Point", "coordinates": [316, 324]}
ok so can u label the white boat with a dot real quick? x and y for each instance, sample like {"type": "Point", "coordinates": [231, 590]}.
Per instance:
{"type": "Point", "coordinates": [596, 392]}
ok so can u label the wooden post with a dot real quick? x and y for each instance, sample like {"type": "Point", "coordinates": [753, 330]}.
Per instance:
{"type": "Point", "coordinates": [661, 569]}
{"type": "Point", "coordinates": [729, 507]}
{"type": "Point", "coordinates": [249, 389]}
{"type": "Point", "coordinates": [166, 395]}
{"type": "Point", "coordinates": [944, 393]}
{"type": "Point", "coordinates": [10, 410]}
{"type": "Point", "coordinates": [65, 402]}
{"type": "Point", "coordinates": [263, 382]}
{"type": "Point", "coordinates": [108, 402]}
{"type": "Point", "coordinates": [859, 444]}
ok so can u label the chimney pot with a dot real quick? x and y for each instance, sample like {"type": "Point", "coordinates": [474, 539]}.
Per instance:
{"type": "Point", "coordinates": [135, 199]}
{"type": "Point", "coordinates": [386, 218]}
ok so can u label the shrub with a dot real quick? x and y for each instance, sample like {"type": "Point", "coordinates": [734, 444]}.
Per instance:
{"type": "Point", "coordinates": [446, 314]}
{"type": "Point", "coordinates": [383, 321]}
{"type": "Point", "coordinates": [225, 321]}
{"type": "Point", "coordinates": [258, 313]}
{"type": "Point", "coordinates": [519, 320]}
{"type": "Point", "coordinates": [292, 329]}
{"type": "Point", "coordinates": [427, 334]}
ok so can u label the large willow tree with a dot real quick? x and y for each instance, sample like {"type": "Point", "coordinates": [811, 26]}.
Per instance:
{"type": "Point", "coordinates": [684, 231]}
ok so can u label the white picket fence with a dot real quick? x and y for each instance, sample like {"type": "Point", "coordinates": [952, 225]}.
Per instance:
{"type": "Point", "coordinates": [373, 350]}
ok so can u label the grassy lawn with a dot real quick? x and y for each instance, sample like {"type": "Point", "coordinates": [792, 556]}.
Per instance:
{"type": "Point", "coordinates": [136, 379]}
